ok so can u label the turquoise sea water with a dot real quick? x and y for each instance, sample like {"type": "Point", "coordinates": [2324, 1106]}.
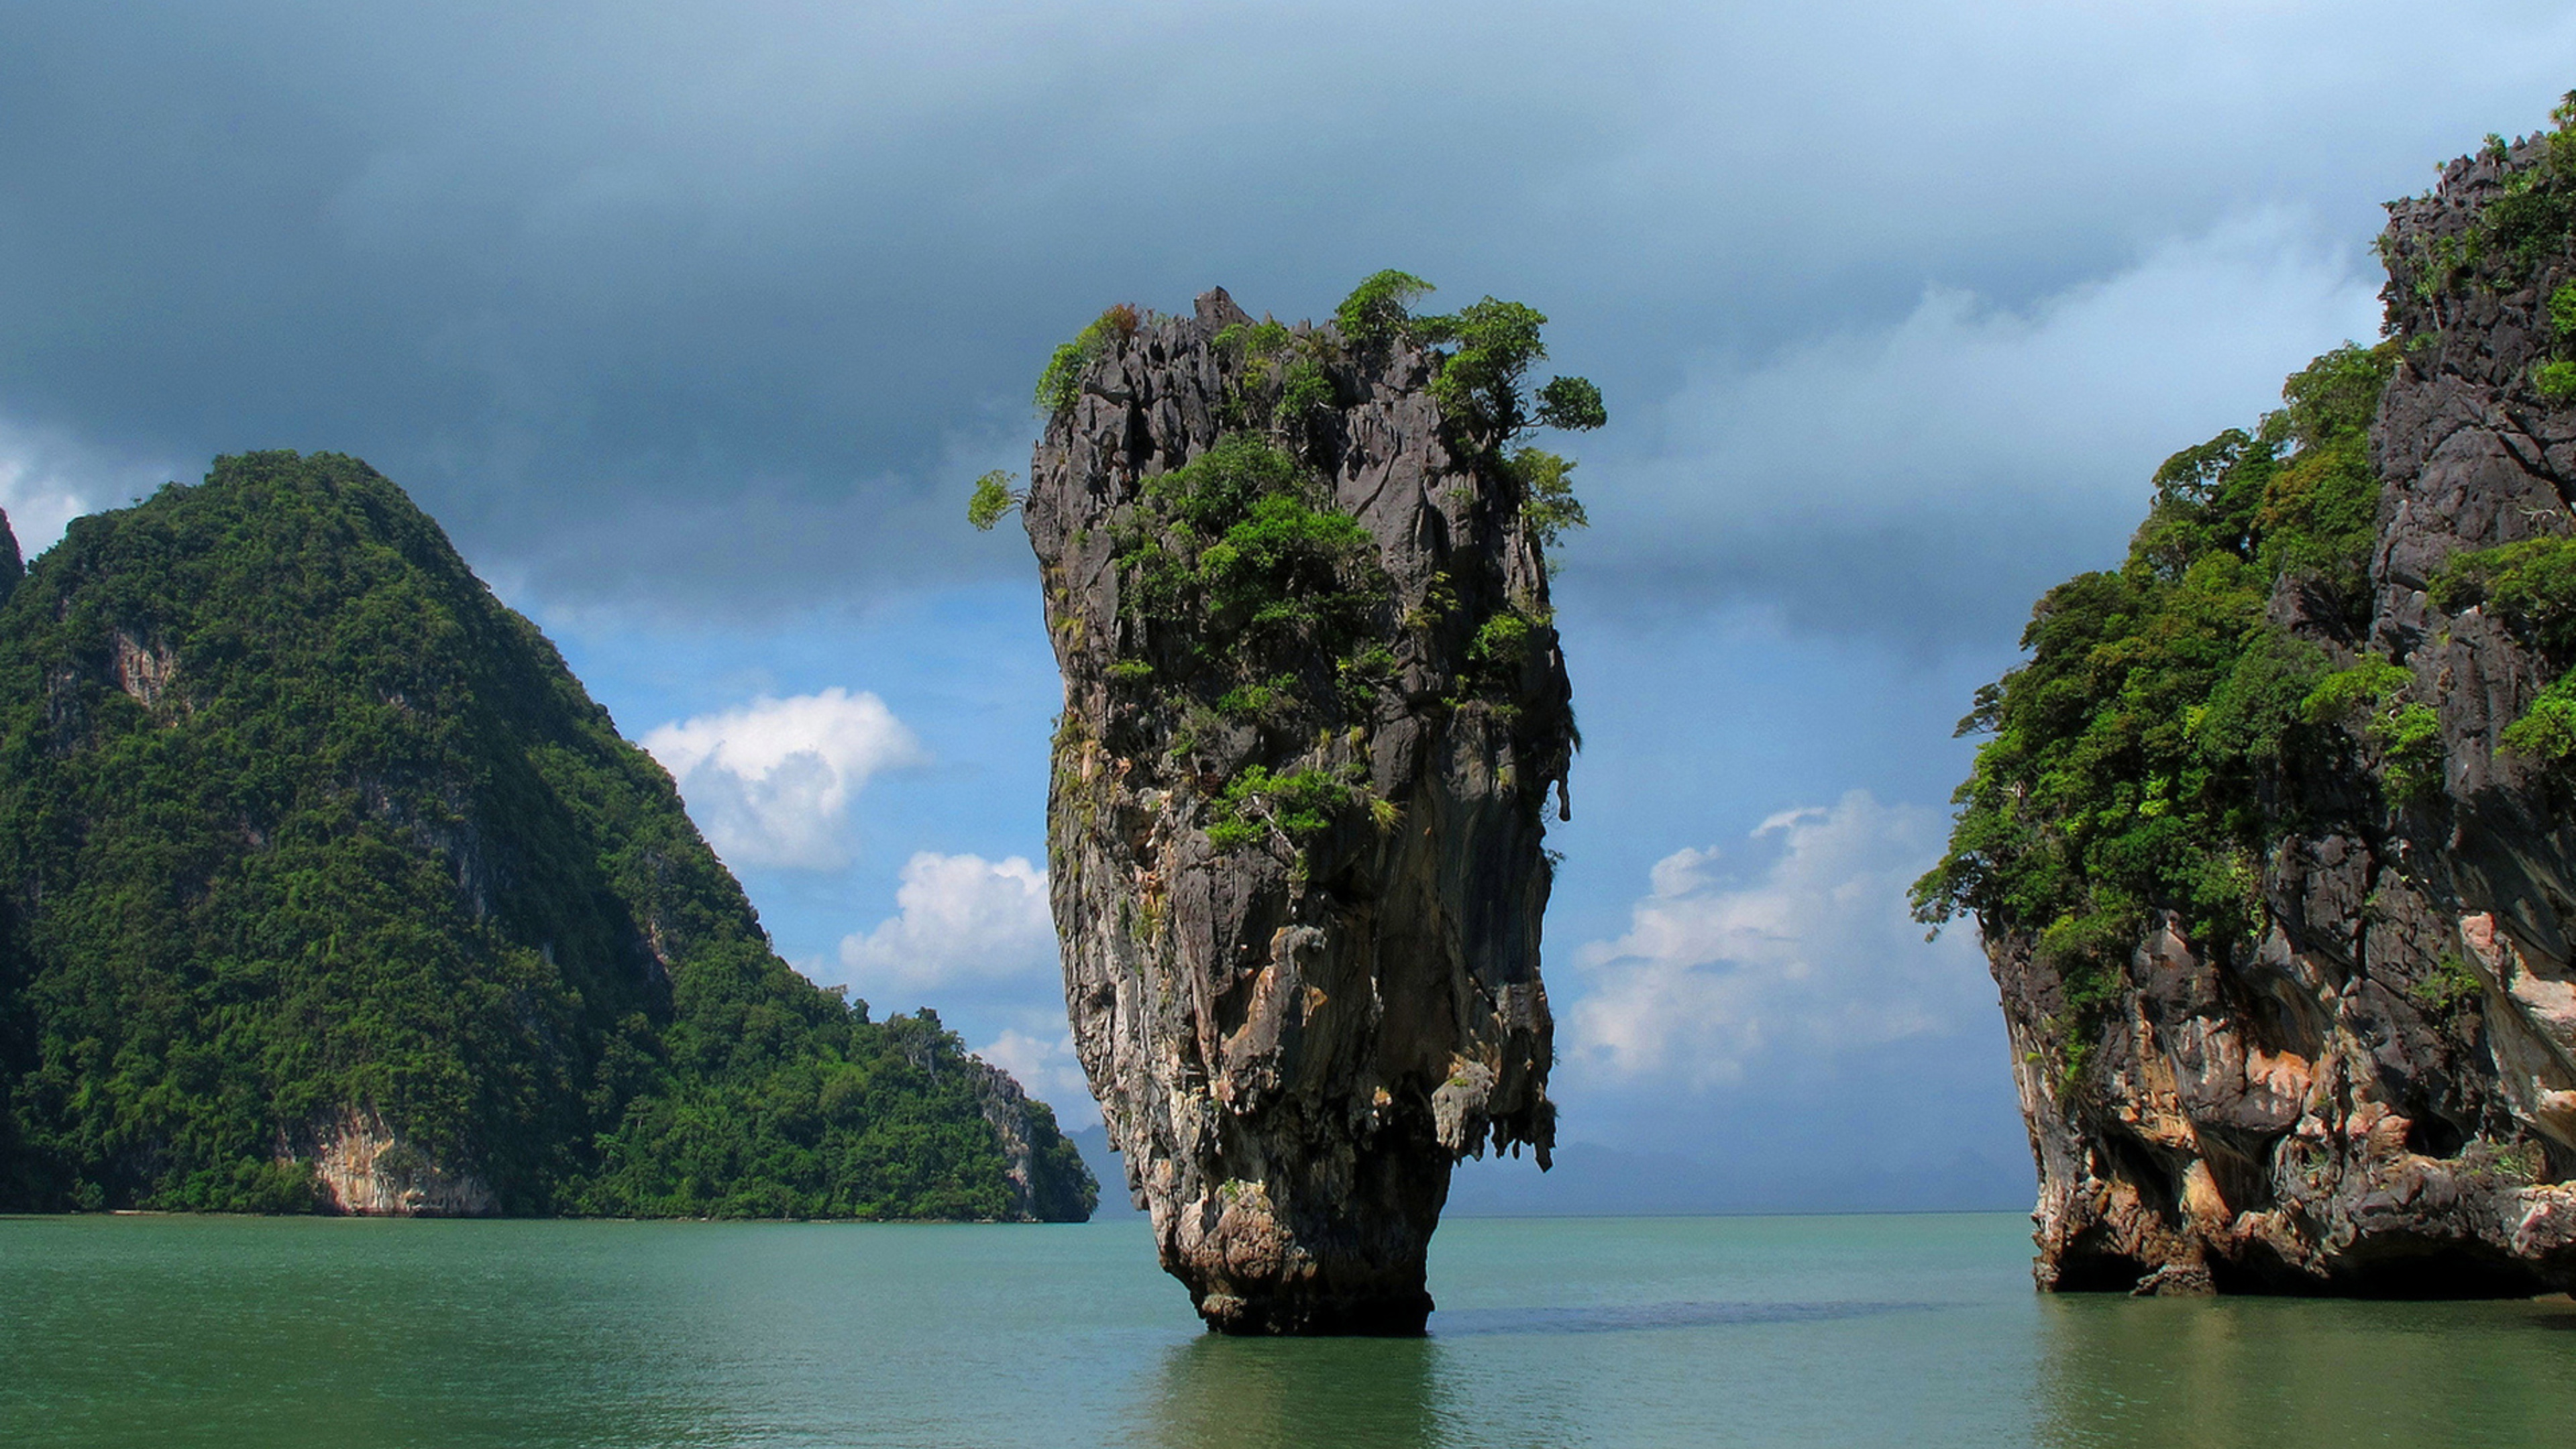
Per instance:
{"type": "Point", "coordinates": [1639, 1331]}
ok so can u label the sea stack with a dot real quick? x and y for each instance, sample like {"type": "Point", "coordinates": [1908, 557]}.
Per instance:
{"type": "Point", "coordinates": [2281, 893]}
{"type": "Point", "coordinates": [1314, 708]}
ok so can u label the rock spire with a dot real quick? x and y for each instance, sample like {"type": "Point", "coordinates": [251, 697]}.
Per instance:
{"type": "Point", "coordinates": [1314, 707]}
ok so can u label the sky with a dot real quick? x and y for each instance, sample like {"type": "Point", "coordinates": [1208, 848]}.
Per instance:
{"type": "Point", "coordinates": [693, 323]}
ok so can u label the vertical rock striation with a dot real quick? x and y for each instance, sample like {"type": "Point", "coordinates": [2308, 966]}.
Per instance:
{"type": "Point", "coordinates": [2373, 1089]}
{"type": "Point", "coordinates": [1313, 707]}
{"type": "Point", "coordinates": [12, 567]}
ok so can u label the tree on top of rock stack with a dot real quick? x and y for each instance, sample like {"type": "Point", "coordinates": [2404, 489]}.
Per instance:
{"type": "Point", "coordinates": [1296, 583]}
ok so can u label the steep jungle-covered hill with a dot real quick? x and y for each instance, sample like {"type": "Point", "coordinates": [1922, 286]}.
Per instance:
{"type": "Point", "coordinates": [325, 886]}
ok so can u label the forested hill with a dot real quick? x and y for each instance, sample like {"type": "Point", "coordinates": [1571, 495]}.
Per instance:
{"type": "Point", "coordinates": [324, 885]}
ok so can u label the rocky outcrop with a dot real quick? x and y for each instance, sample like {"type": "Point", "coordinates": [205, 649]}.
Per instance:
{"type": "Point", "coordinates": [1044, 1189]}
{"type": "Point", "coordinates": [2380, 1095]}
{"type": "Point", "coordinates": [12, 566]}
{"type": "Point", "coordinates": [1313, 707]}
{"type": "Point", "coordinates": [362, 1167]}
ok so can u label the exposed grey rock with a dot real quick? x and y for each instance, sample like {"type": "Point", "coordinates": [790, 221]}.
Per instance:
{"type": "Point", "coordinates": [2345, 1110]}
{"type": "Point", "coordinates": [1295, 1039]}
{"type": "Point", "coordinates": [1041, 1192]}
{"type": "Point", "coordinates": [12, 566]}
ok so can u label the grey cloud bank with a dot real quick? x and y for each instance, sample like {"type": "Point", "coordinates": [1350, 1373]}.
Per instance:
{"type": "Point", "coordinates": [712, 307]}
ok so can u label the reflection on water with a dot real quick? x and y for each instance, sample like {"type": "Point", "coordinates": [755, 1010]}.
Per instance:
{"type": "Point", "coordinates": [1628, 1318]}
{"type": "Point", "coordinates": [1368, 1393]}
{"type": "Point", "coordinates": [226, 1331]}
{"type": "Point", "coordinates": [1445, 1390]}
{"type": "Point", "coordinates": [2232, 1371]}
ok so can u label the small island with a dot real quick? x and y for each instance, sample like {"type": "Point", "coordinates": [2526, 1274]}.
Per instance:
{"type": "Point", "coordinates": [1297, 584]}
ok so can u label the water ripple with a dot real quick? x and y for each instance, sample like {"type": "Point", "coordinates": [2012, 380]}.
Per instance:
{"type": "Point", "coordinates": [1628, 1318]}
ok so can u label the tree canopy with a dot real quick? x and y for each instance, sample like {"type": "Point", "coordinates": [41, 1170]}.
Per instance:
{"type": "Point", "coordinates": [296, 819]}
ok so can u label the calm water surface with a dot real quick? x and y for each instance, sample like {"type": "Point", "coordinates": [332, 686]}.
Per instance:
{"type": "Point", "coordinates": [1652, 1331]}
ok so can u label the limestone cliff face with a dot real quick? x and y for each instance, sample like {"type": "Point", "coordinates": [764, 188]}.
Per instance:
{"type": "Point", "coordinates": [2380, 1096]}
{"type": "Point", "coordinates": [362, 1167]}
{"type": "Point", "coordinates": [1041, 1190]}
{"type": "Point", "coordinates": [1295, 825]}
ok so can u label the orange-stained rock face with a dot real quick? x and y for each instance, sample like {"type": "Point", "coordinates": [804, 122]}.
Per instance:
{"type": "Point", "coordinates": [366, 1170]}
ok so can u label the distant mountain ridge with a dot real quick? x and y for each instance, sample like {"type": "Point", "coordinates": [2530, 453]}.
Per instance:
{"type": "Point", "coordinates": [324, 885]}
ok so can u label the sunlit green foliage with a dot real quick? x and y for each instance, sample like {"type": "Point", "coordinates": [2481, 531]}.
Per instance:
{"type": "Point", "coordinates": [2451, 982]}
{"type": "Point", "coordinates": [2556, 376]}
{"type": "Point", "coordinates": [1061, 380]}
{"type": "Point", "coordinates": [1258, 619]}
{"type": "Point", "coordinates": [2371, 698]}
{"type": "Point", "coordinates": [1299, 804]}
{"type": "Point", "coordinates": [1378, 307]}
{"type": "Point", "coordinates": [993, 499]}
{"type": "Point", "coordinates": [1549, 509]}
{"type": "Point", "coordinates": [1257, 699]}
{"type": "Point", "coordinates": [2530, 224]}
{"type": "Point", "coordinates": [1489, 347]}
{"type": "Point", "coordinates": [1238, 546]}
{"type": "Point", "coordinates": [2530, 587]}
{"type": "Point", "coordinates": [1571, 403]}
{"type": "Point", "coordinates": [2127, 773]}
{"type": "Point", "coordinates": [295, 819]}
{"type": "Point", "coordinates": [1504, 640]}
{"type": "Point", "coordinates": [2295, 496]}
{"type": "Point", "coordinates": [1305, 389]}
{"type": "Point", "coordinates": [1273, 599]}
{"type": "Point", "coordinates": [1254, 341]}
{"type": "Point", "coordinates": [2547, 731]}
{"type": "Point", "coordinates": [1279, 375]}
{"type": "Point", "coordinates": [1481, 357]}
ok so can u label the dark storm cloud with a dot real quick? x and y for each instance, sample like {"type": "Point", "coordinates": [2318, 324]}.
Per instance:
{"type": "Point", "coordinates": [715, 306]}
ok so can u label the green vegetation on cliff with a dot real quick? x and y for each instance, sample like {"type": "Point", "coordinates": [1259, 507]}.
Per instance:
{"type": "Point", "coordinates": [299, 823]}
{"type": "Point", "coordinates": [1257, 602]}
{"type": "Point", "coordinates": [2135, 759]}
{"type": "Point", "coordinates": [2531, 587]}
{"type": "Point", "coordinates": [2532, 223]}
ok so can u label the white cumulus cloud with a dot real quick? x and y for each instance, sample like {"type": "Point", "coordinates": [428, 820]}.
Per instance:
{"type": "Point", "coordinates": [48, 479]}
{"type": "Point", "coordinates": [1806, 949]}
{"type": "Point", "coordinates": [771, 782]}
{"type": "Point", "coordinates": [1047, 1068]}
{"type": "Point", "coordinates": [961, 918]}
